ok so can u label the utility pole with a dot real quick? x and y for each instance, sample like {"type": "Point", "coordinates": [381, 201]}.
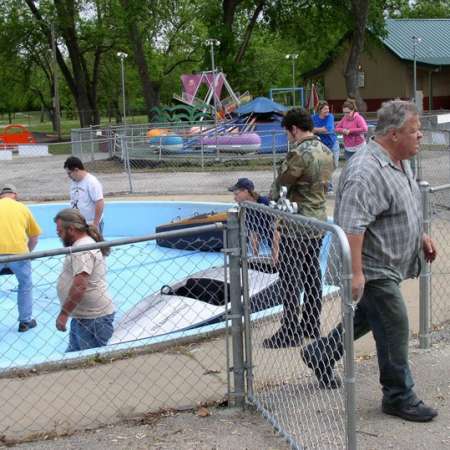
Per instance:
{"type": "Point", "coordinates": [122, 57]}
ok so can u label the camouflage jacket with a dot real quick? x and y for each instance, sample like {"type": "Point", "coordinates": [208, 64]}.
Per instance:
{"type": "Point", "coordinates": [306, 172]}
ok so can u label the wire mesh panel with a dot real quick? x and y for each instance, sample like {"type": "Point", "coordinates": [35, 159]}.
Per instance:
{"type": "Point", "coordinates": [440, 269]}
{"type": "Point", "coordinates": [433, 160]}
{"type": "Point", "coordinates": [295, 281]}
{"type": "Point", "coordinates": [164, 346]}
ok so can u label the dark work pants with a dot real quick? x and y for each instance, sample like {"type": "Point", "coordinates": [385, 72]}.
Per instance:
{"type": "Point", "coordinates": [299, 271]}
{"type": "Point", "coordinates": [381, 310]}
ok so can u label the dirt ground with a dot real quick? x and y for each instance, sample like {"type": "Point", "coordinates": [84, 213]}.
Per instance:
{"type": "Point", "coordinates": [232, 428]}
{"type": "Point", "coordinates": [236, 429]}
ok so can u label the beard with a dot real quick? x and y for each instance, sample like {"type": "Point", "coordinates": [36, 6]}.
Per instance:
{"type": "Point", "coordinates": [67, 241]}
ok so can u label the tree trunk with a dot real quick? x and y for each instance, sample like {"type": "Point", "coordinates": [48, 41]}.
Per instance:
{"type": "Point", "coordinates": [78, 82]}
{"type": "Point", "coordinates": [360, 12]}
{"type": "Point", "coordinates": [150, 88]}
{"type": "Point", "coordinates": [226, 48]}
{"type": "Point", "coordinates": [248, 32]}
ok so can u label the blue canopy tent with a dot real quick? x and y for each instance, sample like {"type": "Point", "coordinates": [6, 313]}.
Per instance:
{"type": "Point", "coordinates": [268, 123]}
{"type": "Point", "coordinates": [261, 105]}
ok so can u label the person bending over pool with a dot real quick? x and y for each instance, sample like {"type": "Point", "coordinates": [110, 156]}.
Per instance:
{"type": "Point", "coordinates": [82, 288]}
{"type": "Point", "coordinates": [244, 191]}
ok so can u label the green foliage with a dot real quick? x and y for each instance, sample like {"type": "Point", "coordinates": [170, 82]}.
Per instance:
{"type": "Point", "coordinates": [425, 9]}
{"type": "Point", "coordinates": [173, 34]}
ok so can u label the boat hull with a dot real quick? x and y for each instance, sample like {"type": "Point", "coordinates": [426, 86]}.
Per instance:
{"type": "Point", "coordinates": [193, 302]}
{"type": "Point", "coordinates": [211, 241]}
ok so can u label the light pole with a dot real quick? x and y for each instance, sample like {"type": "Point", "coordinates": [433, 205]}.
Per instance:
{"type": "Point", "coordinates": [416, 40]}
{"type": "Point", "coordinates": [293, 57]}
{"type": "Point", "coordinates": [213, 43]}
{"type": "Point", "coordinates": [122, 57]}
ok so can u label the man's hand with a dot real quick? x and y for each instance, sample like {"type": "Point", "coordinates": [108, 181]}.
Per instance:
{"type": "Point", "coordinates": [61, 321]}
{"type": "Point", "coordinates": [358, 282]}
{"type": "Point", "coordinates": [429, 249]}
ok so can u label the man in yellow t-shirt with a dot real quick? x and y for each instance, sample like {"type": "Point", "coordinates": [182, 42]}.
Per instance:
{"type": "Point", "coordinates": [19, 233]}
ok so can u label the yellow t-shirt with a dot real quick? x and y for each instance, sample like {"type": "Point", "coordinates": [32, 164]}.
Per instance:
{"type": "Point", "coordinates": [17, 225]}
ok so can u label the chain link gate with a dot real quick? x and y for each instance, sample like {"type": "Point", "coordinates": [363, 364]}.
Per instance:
{"type": "Point", "coordinates": [298, 326]}
{"type": "Point", "coordinates": [434, 286]}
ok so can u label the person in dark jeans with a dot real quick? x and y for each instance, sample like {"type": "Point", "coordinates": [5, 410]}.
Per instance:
{"type": "Point", "coordinates": [299, 271]}
{"type": "Point", "coordinates": [305, 172]}
{"type": "Point", "coordinates": [378, 205]}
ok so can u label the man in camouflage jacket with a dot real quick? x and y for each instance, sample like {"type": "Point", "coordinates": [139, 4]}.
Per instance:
{"type": "Point", "coordinates": [305, 172]}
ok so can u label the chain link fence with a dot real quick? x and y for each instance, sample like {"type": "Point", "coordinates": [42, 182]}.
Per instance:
{"type": "Point", "coordinates": [295, 327]}
{"type": "Point", "coordinates": [190, 328]}
{"type": "Point", "coordinates": [433, 160]}
{"type": "Point", "coordinates": [168, 349]}
{"type": "Point", "coordinates": [437, 215]}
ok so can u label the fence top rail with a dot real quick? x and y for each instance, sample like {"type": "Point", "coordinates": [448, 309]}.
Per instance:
{"type": "Point", "coordinates": [318, 224]}
{"type": "Point", "coordinates": [114, 243]}
{"type": "Point", "coordinates": [444, 187]}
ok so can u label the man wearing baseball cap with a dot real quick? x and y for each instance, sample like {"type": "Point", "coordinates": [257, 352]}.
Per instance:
{"type": "Point", "coordinates": [19, 234]}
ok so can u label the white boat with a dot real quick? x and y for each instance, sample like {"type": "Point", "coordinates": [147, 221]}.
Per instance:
{"type": "Point", "coordinates": [195, 301]}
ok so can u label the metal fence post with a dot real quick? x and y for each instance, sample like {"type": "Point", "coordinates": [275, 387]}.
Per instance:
{"type": "Point", "coordinates": [425, 274]}
{"type": "Point", "coordinates": [236, 310]}
{"type": "Point", "coordinates": [126, 160]}
{"type": "Point", "coordinates": [246, 305]}
{"type": "Point", "coordinates": [274, 162]}
{"type": "Point", "coordinates": [349, 355]}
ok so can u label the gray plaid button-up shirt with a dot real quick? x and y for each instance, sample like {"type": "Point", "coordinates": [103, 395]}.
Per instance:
{"type": "Point", "coordinates": [378, 199]}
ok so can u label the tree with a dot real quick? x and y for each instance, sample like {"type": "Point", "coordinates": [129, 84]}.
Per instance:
{"type": "Point", "coordinates": [84, 41]}
{"type": "Point", "coordinates": [360, 14]}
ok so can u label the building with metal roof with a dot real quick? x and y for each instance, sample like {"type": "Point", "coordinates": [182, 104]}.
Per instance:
{"type": "Point", "coordinates": [387, 65]}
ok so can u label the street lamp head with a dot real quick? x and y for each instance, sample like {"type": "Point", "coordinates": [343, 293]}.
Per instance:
{"type": "Point", "coordinates": [215, 42]}
{"type": "Point", "coordinates": [291, 56]}
{"type": "Point", "coordinates": [122, 55]}
{"type": "Point", "coordinates": [417, 39]}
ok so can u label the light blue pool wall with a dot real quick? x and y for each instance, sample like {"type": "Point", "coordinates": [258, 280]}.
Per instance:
{"type": "Point", "coordinates": [129, 218]}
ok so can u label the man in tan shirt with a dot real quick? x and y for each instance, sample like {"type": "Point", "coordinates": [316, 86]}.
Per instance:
{"type": "Point", "coordinates": [82, 288]}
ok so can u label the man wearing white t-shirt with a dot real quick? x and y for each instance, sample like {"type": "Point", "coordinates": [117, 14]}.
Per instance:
{"type": "Point", "coordinates": [86, 192]}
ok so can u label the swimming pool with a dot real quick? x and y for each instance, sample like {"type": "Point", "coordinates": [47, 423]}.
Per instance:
{"type": "Point", "coordinates": [134, 271]}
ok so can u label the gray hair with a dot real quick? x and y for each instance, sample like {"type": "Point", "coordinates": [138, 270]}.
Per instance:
{"type": "Point", "coordinates": [393, 115]}
{"type": "Point", "coordinates": [73, 217]}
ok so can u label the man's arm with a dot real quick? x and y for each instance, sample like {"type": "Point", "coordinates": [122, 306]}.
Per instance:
{"type": "Point", "coordinates": [358, 280]}
{"type": "Point", "coordinates": [99, 206]}
{"type": "Point", "coordinates": [291, 169]}
{"type": "Point", "coordinates": [320, 130]}
{"type": "Point", "coordinates": [76, 293]}
{"type": "Point", "coordinates": [32, 242]}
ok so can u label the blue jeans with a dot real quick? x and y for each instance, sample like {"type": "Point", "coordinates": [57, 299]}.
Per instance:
{"type": "Point", "coordinates": [90, 333]}
{"type": "Point", "coordinates": [381, 310]}
{"type": "Point", "coordinates": [22, 271]}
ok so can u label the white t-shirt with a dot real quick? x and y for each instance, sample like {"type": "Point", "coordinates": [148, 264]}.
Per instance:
{"type": "Point", "coordinates": [84, 194]}
{"type": "Point", "coordinates": [96, 301]}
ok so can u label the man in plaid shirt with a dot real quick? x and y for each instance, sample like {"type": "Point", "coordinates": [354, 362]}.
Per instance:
{"type": "Point", "coordinates": [378, 206]}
